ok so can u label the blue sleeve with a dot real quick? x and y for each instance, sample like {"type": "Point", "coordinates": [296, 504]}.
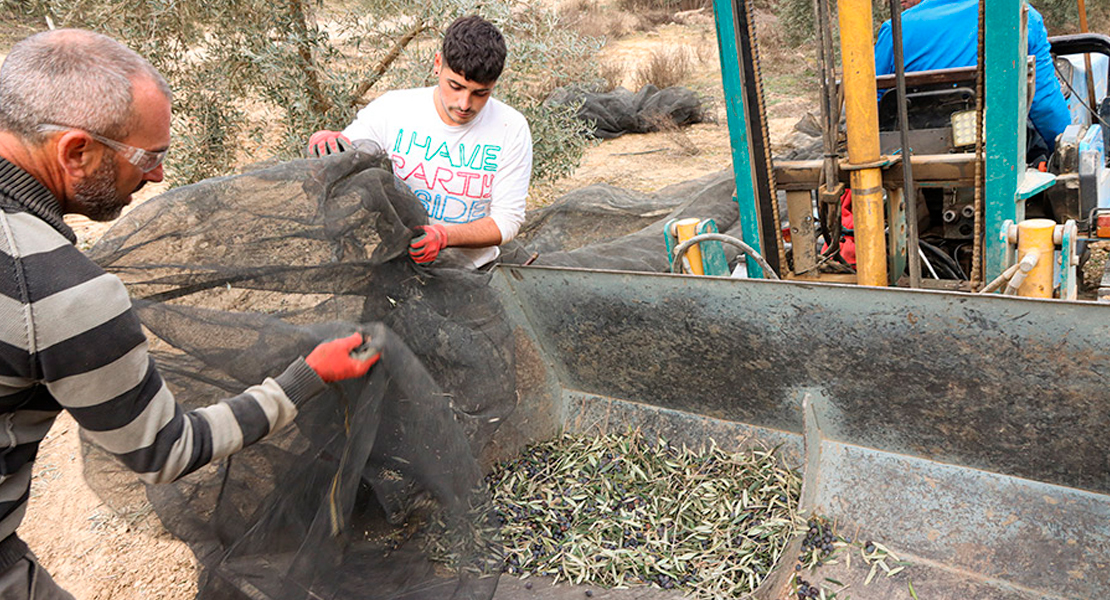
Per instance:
{"type": "Point", "coordinates": [1049, 111]}
{"type": "Point", "coordinates": [884, 52]}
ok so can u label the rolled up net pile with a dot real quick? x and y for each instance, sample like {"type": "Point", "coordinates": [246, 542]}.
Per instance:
{"type": "Point", "coordinates": [604, 227]}
{"type": "Point", "coordinates": [376, 491]}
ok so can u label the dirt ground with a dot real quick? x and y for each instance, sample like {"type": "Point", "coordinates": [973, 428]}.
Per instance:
{"type": "Point", "coordinates": [99, 555]}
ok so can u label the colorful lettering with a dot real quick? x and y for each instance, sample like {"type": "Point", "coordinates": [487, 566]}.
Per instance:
{"type": "Point", "coordinates": [425, 199]}
{"type": "Point", "coordinates": [487, 186]}
{"type": "Point", "coordinates": [442, 175]}
{"type": "Point", "coordinates": [443, 150]}
{"type": "Point", "coordinates": [489, 158]}
{"type": "Point", "coordinates": [460, 191]}
{"type": "Point", "coordinates": [463, 160]}
{"type": "Point", "coordinates": [427, 143]}
{"type": "Point", "coordinates": [418, 173]}
{"type": "Point", "coordinates": [467, 177]}
{"type": "Point", "coordinates": [455, 209]}
{"type": "Point", "coordinates": [478, 210]}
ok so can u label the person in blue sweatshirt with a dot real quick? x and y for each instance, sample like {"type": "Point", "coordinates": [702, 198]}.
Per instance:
{"type": "Point", "coordinates": [943, 34]}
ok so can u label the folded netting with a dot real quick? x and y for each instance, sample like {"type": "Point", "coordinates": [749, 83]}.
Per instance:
{"type": "Point", "coordinates": [376, 490]}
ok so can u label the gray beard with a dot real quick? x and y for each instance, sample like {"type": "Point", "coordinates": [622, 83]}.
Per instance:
{"type": "Point", "coordinates": [97, 195]}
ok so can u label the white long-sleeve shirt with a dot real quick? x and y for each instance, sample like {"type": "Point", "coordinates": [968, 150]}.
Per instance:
{"type": "Point", "coordinates": [461, 173]}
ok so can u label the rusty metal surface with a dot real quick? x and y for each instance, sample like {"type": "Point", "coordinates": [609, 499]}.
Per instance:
{"type": "Point", "coordinates": [1010, 532]}
{"type": "Point", "coordinates": [799, 208]}
{"type": "Point", "coordinates": [935, 170]}
{"type": "Point", "coordinates": [587, 413]}
{"type": "Point", "coordinates": [1012, 386]}
{"type": "Point", "coordinates": [967, 433]}
{"type": "Point", "coordinates": [918, 78]}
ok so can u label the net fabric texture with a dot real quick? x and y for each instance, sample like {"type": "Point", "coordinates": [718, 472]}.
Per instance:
{"type": "Point", "coordinates": [609, 115]}
{"type": "Point", "coordinates": [376, 490]}
{"type": "Point", "coordinates": [603, 227]}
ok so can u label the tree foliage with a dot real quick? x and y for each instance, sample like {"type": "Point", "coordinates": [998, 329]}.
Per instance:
{"type": "Point", "coordinates": [254, 78]}
{"type": "Point", "coordinates": [1062, 16]}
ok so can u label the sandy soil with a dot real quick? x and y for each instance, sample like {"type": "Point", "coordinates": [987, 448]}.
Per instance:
{"type": "Point", "coordinates": [91, 551]}
{"type": "Point", "coordinates": [99, 555]}
{"type": "Point", "coordinates": [648, 162]}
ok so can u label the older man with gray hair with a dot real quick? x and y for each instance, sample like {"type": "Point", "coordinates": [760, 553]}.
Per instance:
{"type": "Point", "coordinates": [85, 123]}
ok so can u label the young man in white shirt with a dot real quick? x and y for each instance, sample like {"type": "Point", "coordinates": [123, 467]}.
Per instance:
{"type": "Point", "coordinates": [466, 155]}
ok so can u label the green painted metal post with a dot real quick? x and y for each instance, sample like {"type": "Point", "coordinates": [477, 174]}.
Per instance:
{"type": "Point", "coordinates": [1003, 123]}
{"type": "Point", "coordinates": [738, 133]}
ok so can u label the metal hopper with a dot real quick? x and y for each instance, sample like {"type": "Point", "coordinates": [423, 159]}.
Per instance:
{"type": "Point", "coordinates": [965, 433]}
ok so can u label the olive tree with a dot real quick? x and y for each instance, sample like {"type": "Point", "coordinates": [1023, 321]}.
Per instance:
{"type": "Point", "coordinates": [253, 78]}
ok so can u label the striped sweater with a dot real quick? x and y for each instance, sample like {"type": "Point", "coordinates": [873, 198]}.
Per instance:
{"type": "Point", "coordinates": [69, 339]}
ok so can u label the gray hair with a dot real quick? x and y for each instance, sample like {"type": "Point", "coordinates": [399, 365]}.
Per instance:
{"type": "Point", "coordinates": [71, 77]}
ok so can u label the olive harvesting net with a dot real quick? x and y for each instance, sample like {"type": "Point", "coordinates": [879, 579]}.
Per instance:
{"type": "Point", "coordinates": [377, 489]}
{"type": "Point", "coordinates": [236, 277]}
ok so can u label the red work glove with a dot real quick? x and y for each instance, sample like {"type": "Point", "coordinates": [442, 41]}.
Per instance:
{"type": "Point", "coordinates": [429, 240]}
{"type": "Point", "coordinates": [332, 360]}
{"type": "Point", "coordinates": [324, 143]}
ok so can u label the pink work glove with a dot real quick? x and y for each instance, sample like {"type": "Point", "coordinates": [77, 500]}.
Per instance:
{"type": "Point", "coordinates": [333, 360]}
{"type": "Point", "coordinates": [324, 143]}
{"type": "Point", "coordinates": [430, 239]}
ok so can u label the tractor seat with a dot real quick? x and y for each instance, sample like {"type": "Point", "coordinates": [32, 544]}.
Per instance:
{"type": "Point", "coordinates": [932, 97]}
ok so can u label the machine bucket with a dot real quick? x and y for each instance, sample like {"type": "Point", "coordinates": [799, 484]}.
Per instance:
{"type": "Point", "coordinates": [968, 434]}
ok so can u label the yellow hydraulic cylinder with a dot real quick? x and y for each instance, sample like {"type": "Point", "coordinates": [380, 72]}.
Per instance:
{"type": "Point", "coordinates": [856, 47]}
{"type": "Point", "coordinates": [1037, 235]}
{"type": "Point", "coordinates": [684, 230]}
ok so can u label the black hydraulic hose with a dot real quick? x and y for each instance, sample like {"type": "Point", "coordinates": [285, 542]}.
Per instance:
{"type": "Point", "coordinates": [940, 268]}
{"type": "Point", "coordinates": [909, 192]}
{"type": "Point", "coordinates": [947, 261]}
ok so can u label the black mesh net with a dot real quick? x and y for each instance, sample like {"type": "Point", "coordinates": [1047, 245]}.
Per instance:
{"type": "Point", "coordinates": [608, 115]}
{"type": "Point", "coordinates": [376, 491]}
{"type": "Point", "coordinates": [603, 227]}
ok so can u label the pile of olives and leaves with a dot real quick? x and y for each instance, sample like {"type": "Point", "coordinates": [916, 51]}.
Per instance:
{"type": "Point", "coordinates": [822, 545]}
{"type": "Point", "coordinates": [616, 510]}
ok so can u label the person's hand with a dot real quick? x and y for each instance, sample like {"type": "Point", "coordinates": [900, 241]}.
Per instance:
{"type": "Point", "coordinates": [324, 143]}
{"type": "Point", "coordinates": [425, 246]}
{"type": "Point", "coordinates": [333, 361]}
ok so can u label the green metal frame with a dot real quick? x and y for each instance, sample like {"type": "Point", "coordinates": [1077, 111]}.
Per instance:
{"type": "Point", "coordinates": [1003, 124]}
{"type": "Point", "coordinates": [737, 110]}
{"type": "Point", "coordinates": [1003, 127]}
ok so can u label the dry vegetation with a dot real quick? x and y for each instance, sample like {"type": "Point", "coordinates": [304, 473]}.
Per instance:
{"type": "Point", "coordinates": [665, 67]}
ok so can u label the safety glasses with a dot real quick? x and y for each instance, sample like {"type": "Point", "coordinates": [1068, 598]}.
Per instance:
{"type": "Point", "coordinates": [145, 160]}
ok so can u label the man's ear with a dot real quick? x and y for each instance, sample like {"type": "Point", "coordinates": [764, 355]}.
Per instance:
{"type": "Point", "coordinates": [75, 153]}
{"type": "Point", "coordinates": [437, 62]}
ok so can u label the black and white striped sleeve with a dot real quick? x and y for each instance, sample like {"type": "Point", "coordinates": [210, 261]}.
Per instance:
{"type": "Point", "coordinates": [91, 353]}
